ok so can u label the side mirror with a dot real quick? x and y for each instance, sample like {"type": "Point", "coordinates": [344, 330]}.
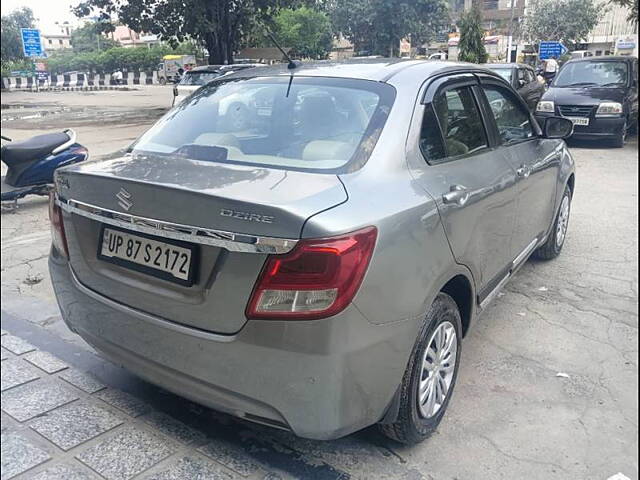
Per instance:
{"type": "Point", "coordinates": [558, 127]}
{"type": "Point", "coordinates": [521, 83]}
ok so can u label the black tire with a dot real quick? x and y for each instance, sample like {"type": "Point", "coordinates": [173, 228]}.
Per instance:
{"type": "Point", "coordinates": [552, 248]}
{"type": "Point", "coordinates": [410, 427]}
{"type": "Point", "coordinates": [621, 139]}
{"type": "Point", "coordinates": [163, 81]}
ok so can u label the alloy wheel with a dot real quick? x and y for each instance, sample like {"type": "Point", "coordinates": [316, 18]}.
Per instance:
{"type": "Point", "coordinates": [563, 221]}
{"type": "Point", "coordinates": [438, 369]}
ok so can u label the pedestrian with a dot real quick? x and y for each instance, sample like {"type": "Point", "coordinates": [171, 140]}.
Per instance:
{"type": "Point", "coordinates": [117, 77]}
{"type": "Point", "coordinates": [550, 69]}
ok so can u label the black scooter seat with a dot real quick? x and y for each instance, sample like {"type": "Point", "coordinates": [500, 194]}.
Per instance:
{"type": "Point", "coordinates": [15, 153]}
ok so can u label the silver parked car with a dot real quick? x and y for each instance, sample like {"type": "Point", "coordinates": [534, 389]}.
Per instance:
{"type": "Point", "coordinates": [316, 268]}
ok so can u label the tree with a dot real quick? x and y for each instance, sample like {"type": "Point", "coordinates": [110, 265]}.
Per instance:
{"type": "Point", "coordinates": [471, 45]}
{"type": "Point", "coordinates": [11, 47]}
{"type": "Point", "coordinates": [567, 21]}
{"type": "Point", "coordinates": [632, 5]}
{"type": "Point", "coordinates": [218, 25]}
{"type": "Point", "coordinates": [89, 37]}
{"type": "Point", "coordinates": [306, 31]}
{"type": "Point", "coordinates": [378, 26]}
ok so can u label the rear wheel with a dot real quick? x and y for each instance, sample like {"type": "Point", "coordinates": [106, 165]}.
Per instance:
{"type": "Point", "coordinates": [553, 246]}
{"type": "Point", "coordinates": [429, 379]}
{"type": "Point", "coordinates": [620, 140]}
{"type": "Point", "coordinates": [163, 81]}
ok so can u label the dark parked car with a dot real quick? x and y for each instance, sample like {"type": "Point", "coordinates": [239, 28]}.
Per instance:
{"type": "Point", "coordinates": [598, 94]}
{"type": "Point", "coordinates": [199, 76]}
{"type": "Point", "coordinates": [523, 78]}
{"type": "Point", "coordinates": [315, 268]}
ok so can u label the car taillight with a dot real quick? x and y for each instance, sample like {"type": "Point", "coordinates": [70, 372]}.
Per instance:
{"type": "Point", "coordinates": [317, 279]}
{"type": "Point", "coordinates": [58, 237]}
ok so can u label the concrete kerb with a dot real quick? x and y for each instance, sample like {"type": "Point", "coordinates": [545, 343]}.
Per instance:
{"type": "Point", "coordinates": [74, 89]}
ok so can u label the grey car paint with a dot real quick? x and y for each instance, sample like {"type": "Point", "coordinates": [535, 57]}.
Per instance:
{"type": "Point", "coordinates": [322, 378]}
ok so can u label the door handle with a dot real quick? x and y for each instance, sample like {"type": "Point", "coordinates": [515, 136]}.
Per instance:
{"type": "Point", "coordinates": [457, 195]}
{"type": "Point", "coordinates": [523, 171]}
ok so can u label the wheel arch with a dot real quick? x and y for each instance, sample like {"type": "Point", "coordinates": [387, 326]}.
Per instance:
{"type": "Point", "coordinates": [460, 289]}
{"type": "Point", "coordinates": [571, 183]}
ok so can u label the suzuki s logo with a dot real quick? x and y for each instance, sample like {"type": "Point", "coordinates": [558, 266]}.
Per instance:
{"type": "Point", "coordinates": [124, 199]}
{"type": "Point", "coordinates": [248, 216]}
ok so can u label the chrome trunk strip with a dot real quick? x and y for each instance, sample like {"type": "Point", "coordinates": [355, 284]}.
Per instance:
{"type": "Point", "coordinates": [234, 242]}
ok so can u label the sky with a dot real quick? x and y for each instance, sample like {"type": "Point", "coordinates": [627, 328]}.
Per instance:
{"type": "Point", "coordinates": [46, 11]}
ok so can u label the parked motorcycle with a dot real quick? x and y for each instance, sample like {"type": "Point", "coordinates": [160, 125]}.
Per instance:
{"type": "Point", "coordinates": [32, 163]}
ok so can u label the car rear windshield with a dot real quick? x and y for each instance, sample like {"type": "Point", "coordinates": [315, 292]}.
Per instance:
{"type": "Point", "coordinates": [592, 74]}
{"type": "Point", "coordinates": [198, 78]}
{"type": "Point", "coordinates": [504, 73]}
{"type": "Point", "coordinates": [301, 123]}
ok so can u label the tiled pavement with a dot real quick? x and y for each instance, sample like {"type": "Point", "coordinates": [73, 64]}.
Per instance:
{"type": "Point", "coordinates": [61, 423]}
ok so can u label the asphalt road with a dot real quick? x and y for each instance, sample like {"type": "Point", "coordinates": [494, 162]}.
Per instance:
{"type": "Point", "coordinates": [549, 375]}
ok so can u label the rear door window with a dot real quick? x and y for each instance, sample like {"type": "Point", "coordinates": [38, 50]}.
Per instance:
{"type": "Point", "coordinates": [512, 120]}
{"type": "Point", "coordinates": [452, 125]}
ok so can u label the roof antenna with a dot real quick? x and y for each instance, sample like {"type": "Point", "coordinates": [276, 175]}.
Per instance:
{"type": "Point", "coordinates": [292, 64]}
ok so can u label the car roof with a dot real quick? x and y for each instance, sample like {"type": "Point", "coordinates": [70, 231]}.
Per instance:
{"type": "Point", "coordinates": [379, 69]}
{"type": "Point", "coordinates": [205, 68]}
{"type": "Point", "coordinates": [608, 58]}
{"type": "Point", "coordinates": [506, 65]}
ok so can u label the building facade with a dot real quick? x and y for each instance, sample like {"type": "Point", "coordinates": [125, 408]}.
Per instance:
{"type": "Point", "coordinates": [612, 32]}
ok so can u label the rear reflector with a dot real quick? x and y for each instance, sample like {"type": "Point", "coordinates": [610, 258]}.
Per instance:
{"type": "Point", "coordinates": [58, 237]}
{"type": "Point", "coordinates": [317, 279]}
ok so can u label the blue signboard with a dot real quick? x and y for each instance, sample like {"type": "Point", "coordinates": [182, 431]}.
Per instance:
{"type": "Point", "coordinates": [551, 49]}
{"type": "Point", "coordinates": [31, 43]}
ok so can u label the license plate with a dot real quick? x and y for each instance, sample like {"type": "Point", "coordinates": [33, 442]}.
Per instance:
{"type": "Point", "coordinates": [170, 260]}
{"type": "Point", "coordinates": [579, 120]}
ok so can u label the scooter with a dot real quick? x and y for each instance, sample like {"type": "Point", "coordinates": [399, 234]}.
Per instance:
{"type": "Point", "coordinates": [32, 163]}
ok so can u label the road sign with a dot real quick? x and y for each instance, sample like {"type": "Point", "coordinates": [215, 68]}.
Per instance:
{"type": "Point", "coordinates": [551, 49]}
{"type": "Point", "coordinates": [31, 43]}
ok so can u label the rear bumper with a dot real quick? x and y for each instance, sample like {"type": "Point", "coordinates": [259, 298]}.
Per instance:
{"type": "Point", "coordinates": [597, 128]}
{"type": "Point", "coordinates": [321, 379]}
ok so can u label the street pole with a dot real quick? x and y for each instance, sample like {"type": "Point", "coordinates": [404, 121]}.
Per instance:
{"type": "Point", "coordinates": [510, 36]}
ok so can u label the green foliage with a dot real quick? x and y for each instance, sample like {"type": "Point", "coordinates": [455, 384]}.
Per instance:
{"type": "Point", "coordinates": [219, 26]}
{"type": "Point", "coordinates": [378, 26]}
{"type": "Point", "coordinates": [108, 61]}
{"type": "Point", "coordinates": [89, 37]}
{"type": "Point", "coordinates": [11, 42]}
{"type": "Point", "coordinates": [23, 65]}
{"type": "Point", "coordinates": [471, 46]}
{"type": "Point", "coordinates": [307, 32]}
{"type": "Point", "coordinates": [567, 21]}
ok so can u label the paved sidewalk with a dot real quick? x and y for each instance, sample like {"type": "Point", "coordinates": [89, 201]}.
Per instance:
{"type": "Point", "coordinates": [61, 422]}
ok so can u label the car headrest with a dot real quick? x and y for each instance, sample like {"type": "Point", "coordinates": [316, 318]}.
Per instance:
{"type": "Point", "coordinates": [327, 150]}
{"type": "Point", "coordinates": [218, 139]}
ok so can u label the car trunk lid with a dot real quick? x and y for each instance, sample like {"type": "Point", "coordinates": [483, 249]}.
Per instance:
{"type": "Point", "coordinates": [225, 210]}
